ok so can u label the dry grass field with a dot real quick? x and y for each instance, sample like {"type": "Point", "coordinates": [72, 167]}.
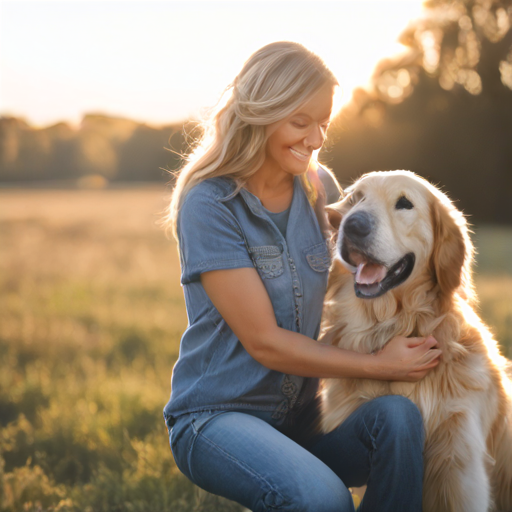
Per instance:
{"type": "Point", "coordinates": [91, 313]}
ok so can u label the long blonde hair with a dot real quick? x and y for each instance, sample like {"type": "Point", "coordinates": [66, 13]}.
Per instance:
{"type": "Point", "coordinates": [273, 83]}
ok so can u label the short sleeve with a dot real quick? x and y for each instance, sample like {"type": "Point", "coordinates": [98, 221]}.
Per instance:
{"type": "Point", "coordinates": [210, 237]}
{"type": "Point", "coordinates": [331, 190]}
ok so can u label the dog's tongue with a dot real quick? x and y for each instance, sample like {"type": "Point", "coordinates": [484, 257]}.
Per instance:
{"type": "Point", "coordinates": [369, 273]}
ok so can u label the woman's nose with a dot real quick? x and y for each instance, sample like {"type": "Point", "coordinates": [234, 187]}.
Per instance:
{"type": "Point", "coordinates": [315, 138]}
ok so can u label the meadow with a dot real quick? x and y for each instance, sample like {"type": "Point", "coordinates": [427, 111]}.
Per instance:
{"type": "Point", "coordinates": [91, 313]}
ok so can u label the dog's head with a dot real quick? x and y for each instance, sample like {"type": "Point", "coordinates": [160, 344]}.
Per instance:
{"type": "Point", "coordinates": [394, 228]}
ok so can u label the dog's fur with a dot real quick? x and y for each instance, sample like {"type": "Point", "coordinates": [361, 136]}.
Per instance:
{"type": "Point", "coordinates": [466, 401]}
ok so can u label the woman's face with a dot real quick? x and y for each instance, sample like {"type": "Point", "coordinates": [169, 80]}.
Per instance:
{"type": "Point", "coordinates": [293, 140]}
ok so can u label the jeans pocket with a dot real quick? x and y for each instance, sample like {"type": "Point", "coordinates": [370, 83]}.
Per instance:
{"type": "Point", "coordinates": [178, 432]}
{"type": "Point", "coordinates": [181, 436]}
{"type": "Point", "coordinates": [173, 438]}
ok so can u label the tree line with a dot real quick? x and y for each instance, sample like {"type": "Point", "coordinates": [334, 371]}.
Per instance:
{"type": "Point", "coordinates": [118, 149]}
{"type": "Point", "coordinates": [443, 109]}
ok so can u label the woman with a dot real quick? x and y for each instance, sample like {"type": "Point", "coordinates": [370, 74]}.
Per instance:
{"type": "Point", "coordinates": [254, 272]}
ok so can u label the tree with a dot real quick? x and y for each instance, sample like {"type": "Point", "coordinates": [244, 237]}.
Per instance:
{"type": "Point", "coordinates": [443, 108]}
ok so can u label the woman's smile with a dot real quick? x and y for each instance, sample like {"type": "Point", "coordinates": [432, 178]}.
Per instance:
{"type": "Point", "coordinates": [301, 156]}
{"type": "Point", "coordinates": [291, 142]}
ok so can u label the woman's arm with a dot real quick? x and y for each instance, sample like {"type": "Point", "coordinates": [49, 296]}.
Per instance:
{"type": "Point", "coordinates": [241, 298]}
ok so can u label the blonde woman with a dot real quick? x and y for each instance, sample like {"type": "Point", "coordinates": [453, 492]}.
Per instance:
{"type": "Point", "coordinates": [254, 265]}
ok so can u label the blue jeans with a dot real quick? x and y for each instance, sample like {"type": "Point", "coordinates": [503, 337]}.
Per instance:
{"type": "Point", "coordinates": [248, 458]}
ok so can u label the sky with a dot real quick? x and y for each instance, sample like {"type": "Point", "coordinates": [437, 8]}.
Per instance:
{"type": "Point", "coordinates": [165, 61]}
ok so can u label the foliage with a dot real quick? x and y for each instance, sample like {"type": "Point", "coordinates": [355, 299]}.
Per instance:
{"type": "Point", "coordinates": [443, 108]}
{"type": "Point", "coordinates": [114, 148]}
{"type": "Point", "coordinates": [461, 43]}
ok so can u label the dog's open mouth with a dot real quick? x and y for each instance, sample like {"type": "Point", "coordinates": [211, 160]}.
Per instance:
{"type": "Point", "coordinates": [372, 279]}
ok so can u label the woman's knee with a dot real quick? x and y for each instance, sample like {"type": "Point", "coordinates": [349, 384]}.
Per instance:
{"type": "Point", "coordinates": [399, 415]}
{"type": "Point", "coordinates": [322, 495]}
{"type": "Point", "coordinates": [242, 458]}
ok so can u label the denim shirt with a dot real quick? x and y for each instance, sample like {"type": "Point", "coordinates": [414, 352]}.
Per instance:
{"type": "Point", "coordinates": [219, 230]}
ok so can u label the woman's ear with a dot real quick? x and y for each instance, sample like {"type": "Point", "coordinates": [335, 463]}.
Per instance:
{"type": "Point", "coordinates": [334, 214]}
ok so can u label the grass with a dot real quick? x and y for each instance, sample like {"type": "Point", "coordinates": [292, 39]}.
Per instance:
{"type": "Point", "coordinates": [91, 313]}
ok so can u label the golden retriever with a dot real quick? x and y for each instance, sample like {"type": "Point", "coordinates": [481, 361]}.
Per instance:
{"type": "Point", "coordinates": [403, 267]}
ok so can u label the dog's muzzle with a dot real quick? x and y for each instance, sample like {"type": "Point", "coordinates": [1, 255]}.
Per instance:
{"type": "Point", "coordinates": [372, 278]}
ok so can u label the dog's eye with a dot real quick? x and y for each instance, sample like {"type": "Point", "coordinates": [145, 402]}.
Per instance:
{"type": "Point", "coordinates": [404, 204]}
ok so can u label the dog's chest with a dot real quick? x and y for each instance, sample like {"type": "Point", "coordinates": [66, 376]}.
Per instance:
{"type": "Point", "coordinates": [367, 325]}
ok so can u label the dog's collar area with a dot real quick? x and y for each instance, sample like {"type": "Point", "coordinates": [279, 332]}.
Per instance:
{"type": "Point", "coordinates": [395, 276]}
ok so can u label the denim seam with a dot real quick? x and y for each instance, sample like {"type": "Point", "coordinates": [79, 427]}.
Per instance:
{"type": "Point", "coordinates": [216, 201]}
{"type": "Point", "coordinates": [239, 463]}
{"type": "Point", "coordinates": [371, 436]}
{"type": "Point", "coordinates": [233, 261]}
{"type": "Point", "coordinates": [212, 265]}
{"type": "Point", "coordinates": [231, 220]}
{"type": "Point", "coordinates": [227, 406]}
{"type": "Point", "coordinates": [266, 251]}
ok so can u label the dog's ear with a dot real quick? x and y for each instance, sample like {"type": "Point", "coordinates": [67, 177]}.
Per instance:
{"type": "Point", "coordinates": [334, 214]}
{"type": "Point", "coordinates": [453, 251]}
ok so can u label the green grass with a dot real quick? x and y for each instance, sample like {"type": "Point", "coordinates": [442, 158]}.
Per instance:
{"type": "Point", "coordinates": [493, 279]}
{"type": "Point", "coordinates": [91, 313]}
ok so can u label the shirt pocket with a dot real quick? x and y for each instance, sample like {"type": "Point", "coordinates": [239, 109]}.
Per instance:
{"type": "Point", "coordinates": [318, 257]}
{"type": "Point", "coordinates": [268, 259]}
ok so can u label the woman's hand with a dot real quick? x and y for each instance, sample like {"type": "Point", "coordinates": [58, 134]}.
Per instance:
{"type": "Point", "coordinates": [407, 359]}
{"type": "Point", "coordinates": [242, 300]}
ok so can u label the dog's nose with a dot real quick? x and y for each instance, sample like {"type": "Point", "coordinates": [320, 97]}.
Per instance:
{"type": "Point", "coordinates": [358, 225]}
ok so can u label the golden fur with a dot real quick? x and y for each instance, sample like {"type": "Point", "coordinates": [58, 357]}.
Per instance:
{"type": "Point", "coordinates": [466, 401]}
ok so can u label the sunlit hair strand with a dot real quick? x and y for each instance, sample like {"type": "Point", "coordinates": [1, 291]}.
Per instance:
{"type": "Point", "coordinates": [273, 83]}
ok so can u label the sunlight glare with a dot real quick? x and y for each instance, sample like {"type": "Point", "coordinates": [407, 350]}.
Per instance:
{"type": "Point", "coordinates": [162, 62]}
